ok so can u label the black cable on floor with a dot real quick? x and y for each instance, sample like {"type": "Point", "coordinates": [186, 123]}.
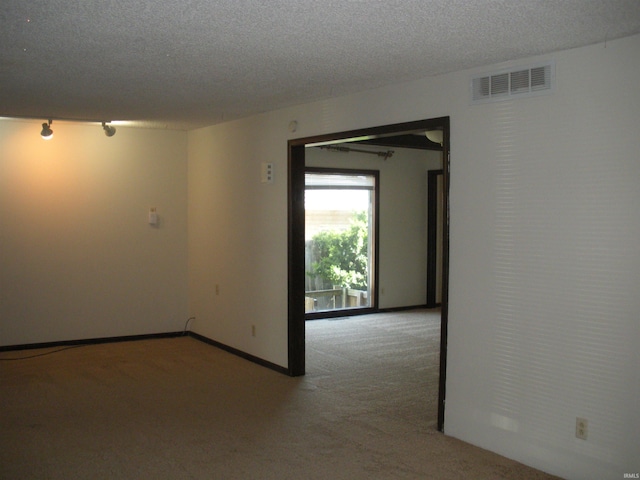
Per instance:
{"type": "Point", "coordinates": [184, 332]}
{"type": "Point", "coordinates": [41, 354]}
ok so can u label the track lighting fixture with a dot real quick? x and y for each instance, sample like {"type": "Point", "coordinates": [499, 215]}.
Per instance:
{"type": "Point", "coordinates": [109, 131]}
{"type": "Point", "coordinates": [46, 132]}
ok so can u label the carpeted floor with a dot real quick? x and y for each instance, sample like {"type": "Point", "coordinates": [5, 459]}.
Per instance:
{"type": "Point", "coordinates": [388, 362]}
{"type": "Point", "coordinates": [181, 409]}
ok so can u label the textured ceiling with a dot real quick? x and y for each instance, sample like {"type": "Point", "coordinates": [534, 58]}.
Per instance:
{"type": "Point", "coordinates": [185, 64]}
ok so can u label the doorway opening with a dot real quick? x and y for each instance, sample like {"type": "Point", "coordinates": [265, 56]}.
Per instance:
{"type": "Point", "coordinates": [401, 135]}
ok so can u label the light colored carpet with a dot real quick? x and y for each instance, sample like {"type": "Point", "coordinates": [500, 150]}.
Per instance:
{"type": "Point", "coordinates": [181, 409]}
{"type": "Point", "coordinates": [386, 364]}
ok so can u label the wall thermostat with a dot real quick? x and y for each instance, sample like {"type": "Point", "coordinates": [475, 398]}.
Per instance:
{"type": "Point", "coordinates": [153, 217]}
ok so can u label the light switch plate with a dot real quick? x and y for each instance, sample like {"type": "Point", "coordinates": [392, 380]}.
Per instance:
{"type": "Point", "coordinates": [266, 172]}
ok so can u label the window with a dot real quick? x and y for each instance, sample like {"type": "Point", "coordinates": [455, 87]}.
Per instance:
{"type": "Point", "coordinates": [339, 239]}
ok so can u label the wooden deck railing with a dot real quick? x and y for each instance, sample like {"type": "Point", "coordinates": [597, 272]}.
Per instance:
{"type": "Point", "coordinates": [334, 299]}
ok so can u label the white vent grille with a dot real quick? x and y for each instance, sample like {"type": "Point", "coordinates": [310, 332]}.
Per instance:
{"type": "Point", "coordinates": [519, 82]}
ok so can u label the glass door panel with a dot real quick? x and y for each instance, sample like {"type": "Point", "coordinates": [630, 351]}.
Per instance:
{"type": "Point", "coordinates": [339, 214]}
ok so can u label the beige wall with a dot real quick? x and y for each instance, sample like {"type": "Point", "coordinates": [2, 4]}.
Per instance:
{"type": "Point", "coordinates": [78, 259]}
{"type": "Point", "coordinates": [236, 242]}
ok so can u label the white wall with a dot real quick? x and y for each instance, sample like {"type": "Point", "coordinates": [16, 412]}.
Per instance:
{"type": "Point", "coordinates": [237, 237]}
{"type": "Point", "coordinates": [403, 217]}
{"type": "Point", "coordinates": [545, 269]}
{"type": "Point", "coordinates": [545, 260]}
{"type": "Point", "coordinates": [77, 257]}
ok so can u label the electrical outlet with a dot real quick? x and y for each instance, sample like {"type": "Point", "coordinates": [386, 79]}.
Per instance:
{"type": "Point", "coordinates": [253, 330]}
{"type": "Point", "coordinates": [581, 428]}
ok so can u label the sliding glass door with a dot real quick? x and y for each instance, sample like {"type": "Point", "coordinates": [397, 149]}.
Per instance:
{"type": "Point", "coordinates": [339, 239]}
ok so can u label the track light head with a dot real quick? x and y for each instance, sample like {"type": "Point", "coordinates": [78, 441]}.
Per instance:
{"type": "Point", "coordinates": [46, 132]}
{"type": "Point", "coordinates": [109, 131]}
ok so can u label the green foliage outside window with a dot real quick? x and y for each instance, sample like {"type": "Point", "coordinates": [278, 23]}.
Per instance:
{"type": "Point", "coordinates": [343, 255]}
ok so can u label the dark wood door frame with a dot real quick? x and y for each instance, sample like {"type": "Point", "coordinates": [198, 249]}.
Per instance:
{"type": "Point", "coordinates": [296, 221]}
{"type": "Point", "coordinates": [432, 236]}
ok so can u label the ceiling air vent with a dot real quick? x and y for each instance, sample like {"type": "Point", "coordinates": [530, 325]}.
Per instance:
{"type": "Point", "coordinates": [515, 83]}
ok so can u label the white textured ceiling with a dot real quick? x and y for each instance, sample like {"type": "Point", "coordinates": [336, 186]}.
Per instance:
{"type": "Point", "coordinates": [190, 63]}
